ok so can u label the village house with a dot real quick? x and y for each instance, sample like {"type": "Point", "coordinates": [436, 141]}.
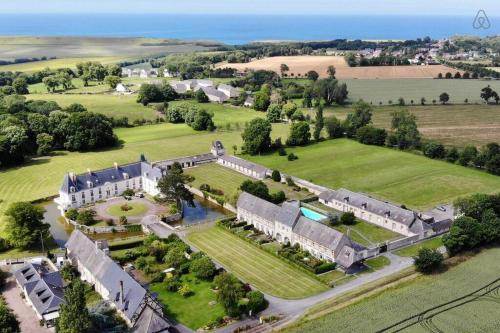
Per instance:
{"type": "Point", "coordinates": [243, 166]}
{"type": "Point", "coordinates": [43, 290]}
{"type": "Point", "coordinates": [286, 224]}
{"type": "Point", "coordinates": [145, 73]}
{"type": "Point", "coordinates": [167, 73]}
{"type": "Point", "coordinates": [248, 102]}
{"type": "Point", "coordinates": [133, 303]}
{"type": "Point", "coordinates": [229, 91]}
{"type": "Point", "coordinates": [122, 89]}
{"type": "Point", "coordinates": [89, 187]}
{"type": "Point", "coordinates": [383, 214]}
{"type": "Point", "coordinates": [215, 95]}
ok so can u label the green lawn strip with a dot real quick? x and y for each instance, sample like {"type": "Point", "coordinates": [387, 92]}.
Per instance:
{"type": "Point", "coordinates": [412, 251]}
{"type": "Point", "coordinates": [267, 272]}
{"type": "Point", "coordinates": [378, 262]}
{"type": "Point", "coordinates": [413, 296]}
{"type": "Point", "coordinates": [331, 276]}
{"type": "Point", "coordinates": [401, 177]}
{"type": "Point", "coordinates": [193, 311]}
{"type": "Point", "coordinates": [49, 245]}
{"type": "Point", "coordinates": [135, 209]}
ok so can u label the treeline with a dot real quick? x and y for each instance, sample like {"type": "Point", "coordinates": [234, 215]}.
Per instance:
{"type": "Point", "coordinates": [477, 70]}
{"type": "Point", "coordinates": [478, 224]}
{"type": "Point", "coordinates": [30, 128]}
{"type": "Point", "coordinates": [24, 60]}
{"type": "Point", "coordinates": [382, 60]}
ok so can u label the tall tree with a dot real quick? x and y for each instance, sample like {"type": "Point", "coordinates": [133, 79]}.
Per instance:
{"type": "Point", "coordinates": [361, 116]}
{"type": "Point", "coordinates": [331, 71]}
{"type": "Point", "coordinates": [257, 136]}
{"type": "Point", "coordinates": [318, 125]}
{"type": "Point", "coordinates": [230, 292]}
{"type": "Point", "coordinates": [8, 320]}
{"type": "Point", "coordinates": [73, 314]}
{"type": "Point", "coordinates": [20, 86]}
{"type": "Point", "coordinates": [405, 131]}
{"type": "Point", "coordinates": [283, 69]}
{"type": "Point", "coordinates": [25, 224]}
{"type": "Point", "coordinates": [172, 185]}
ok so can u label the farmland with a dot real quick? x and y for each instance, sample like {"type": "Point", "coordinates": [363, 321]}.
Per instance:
{"type": "Point", "coordinates": [457, 125]}
{"type": "Point", "coordinates": [263, 270]}
{"type": "Point", "coordinates": [410, 298]}
{"type": "Point", "coordinates": [403, 177]}
{"type": "Point", "coordinates": [36, 66]}
{"type": "Point", "coordinates": [302, 64]}
{"type": "Point", "coordinates": [376, 91]}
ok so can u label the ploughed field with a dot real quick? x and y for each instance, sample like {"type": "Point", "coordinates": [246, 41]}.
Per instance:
{"type": "Point", "coordinates": [402, 177]}
{"type": "Point", "coordinates": [396, 304]}
{"type": "Point", "coordinates": [302, 64]}
{"type": "Point", "coordinates": [263, 270]}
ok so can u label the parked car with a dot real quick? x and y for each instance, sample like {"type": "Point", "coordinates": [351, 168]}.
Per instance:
{"type": "Point", "coordinates": [139, 195]}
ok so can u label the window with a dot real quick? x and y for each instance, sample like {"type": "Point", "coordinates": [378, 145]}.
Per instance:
{"type": "Point", "coordinates": [73, 199]}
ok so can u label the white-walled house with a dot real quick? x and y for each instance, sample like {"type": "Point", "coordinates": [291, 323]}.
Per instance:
{"type": "Point", "coordinates": [214, 95]}
{"type": "Point", "coordinates": [242, 166]}
{"type": "Point", "coordinates": [89, 187]}
{"type": "Point", "coordinates": [383, 214]}
{"type": "Point", "coordinates": [229, 91]}
{"type": "Point", "coordinates": [122, 89]}
{"type": "Point", "coordinates": [286, 224]}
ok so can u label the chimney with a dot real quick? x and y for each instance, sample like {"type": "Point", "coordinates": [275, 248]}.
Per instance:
{"type": "Point", "coordinates": [121, 292]}
{"type": "Point", "coordinates": [72, 176]}
{"type": "Point", "coordinates": [116, 165]}
{"type": "Point", "coordinates": [89, 172]}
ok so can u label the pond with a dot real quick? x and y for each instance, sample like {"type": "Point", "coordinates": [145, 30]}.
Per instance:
{"type": "Point", "coordinates": [204, 211]}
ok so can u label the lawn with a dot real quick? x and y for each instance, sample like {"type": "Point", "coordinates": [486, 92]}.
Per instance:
{"type": "Point", "coordinates": [402, 177]}
{"type": "Point", "coordinates": [193, 311]}
{"type": "Point", "coordinates": [116, 106]}
{"type": "Point", "coordinates": [410, 298]}
{"type": "Point", "coordinates": [135, 208]}
{"type": "Point", "coordinates": [378, 263]}
{"type": "Point", "coordinates": [253, 265]}
{"type": "Point", "coordinates": [412, 251]}
{"type": "Point", "coordinates": [229, 181]}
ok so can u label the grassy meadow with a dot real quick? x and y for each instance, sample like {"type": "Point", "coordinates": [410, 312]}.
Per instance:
{"type": "Point", "coordinates": [258, 267]}
{"type": "Point", "coordinates": [378, 311]}
{"type": "Point", "coordinates": [402, 177]}
{"type": "Point", "coordinates": [36, 66]}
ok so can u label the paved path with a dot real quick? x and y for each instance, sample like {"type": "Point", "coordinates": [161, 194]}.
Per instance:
{"type": "Point", "coordinates": [25, 314]}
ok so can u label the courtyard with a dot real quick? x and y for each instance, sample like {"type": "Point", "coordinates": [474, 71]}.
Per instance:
{"type": "Point", "coordinates": [134, 209]}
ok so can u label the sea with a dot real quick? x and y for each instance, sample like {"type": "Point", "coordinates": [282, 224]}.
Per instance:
{"type": "Point", "coordinates": [241, 29]}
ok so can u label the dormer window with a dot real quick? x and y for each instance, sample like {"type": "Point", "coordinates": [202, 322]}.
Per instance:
{"type": "Point", "coordinates": [125, 175]}
{"type": "Point", "coordinates": [72, 189]}
{"type": "Point", "coordinates": [90, 184]}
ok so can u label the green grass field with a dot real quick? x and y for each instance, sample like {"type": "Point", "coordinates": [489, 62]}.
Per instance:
{"type": "Point", "coordinates": [229, 181]}
{"type": "Point", "coordinates": [402, 177]}
{"type": "Point", "coordinates": [36, 66]}
{"type": "Point", "coordinates": [377, 90]}
{"type": "Point", "coordinates": [263, 270]}
{"type": "Point", "coordinates": [135, 209]}
{"type": "Point", "coordinates": [412, 251]}
{"type": "Point", "coordinates": [193, 311]}
{"type": "Point", "coordinates": [397, 303]}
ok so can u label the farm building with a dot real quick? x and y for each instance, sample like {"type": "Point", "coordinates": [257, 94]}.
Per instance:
{"type": "Point", "coordinates": [383, 214]}
{"type": "Point", "coordinates": [134, 304]}
{"type": "Point", "coordinates": [122, 89]}
{"type": "Point", "coordinates": [229, 91]}
{"type": "Point", "coordinates": [43, 290]}
{"type": "Point", "coordinates": [248, 102]}
{"type": "Point", "coordinates": [243, 166]}
{"type": "Point", "coordinates": [215, 95]}
{"type": "Point", "coordinates": [287, 224]}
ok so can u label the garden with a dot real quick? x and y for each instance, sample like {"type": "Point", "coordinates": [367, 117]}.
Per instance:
{"type": "Point", "coordinates": [193, 291]}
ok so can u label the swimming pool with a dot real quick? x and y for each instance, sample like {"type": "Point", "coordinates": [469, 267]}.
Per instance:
{"type": "Point", "coordinates": [311, 214]}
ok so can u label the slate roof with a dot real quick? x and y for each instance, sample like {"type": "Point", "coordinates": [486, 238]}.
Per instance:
{"type": "Point", "coordinates": [97, 178]}
{"type": "Point", "coordinates": [377, 207]}
{"type": "Point", "coordinates": [258, 206]}
{"type": "Point", "coordinates": [150, 322]}
{"type": "Point", "coordinates": [45, 289]}
{"type": "Point", "coordinates": [320, 233]}
{"type": "Point", "coordinates": [244, 163]}
{"type": "Point", "coordinates": [214, 95]}
{"type": "Point", "coordinates": [288, 214]}
{"type": "Point", "coordinates": [107, 272]}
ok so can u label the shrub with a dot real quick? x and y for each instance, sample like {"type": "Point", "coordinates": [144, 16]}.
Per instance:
{"type": "Point", "coordinates": [278, 197]}
{"type": "Point", "coordinates": [123, 220]}
{"type": "Point", "coordinates": [185, 291]}
{"type": "Point", "coordinates": [348, 218]}
{"type": "Point", "coordinates": [256, 301]}
{"type": "Point", "coordinates": [125, 208]}
{"type": "Point", "coordinates": [281, 151]}
{"type": "Point", "coordinates": [68, 272]}
{"type": "Point", "coordinates": [205, 187]}
{"type": "Point", "coordinates": [325, 267]}
{"type": "Point", "coordinates": [203, 267]}
{"type": "Point", "coordinates": [86, 217]}
{"type": "Point", "coordinates": [128, 192]}
{"type": "Point", "coordinates": [428, 261]}
{"type": "Point", "coordinates": [72, 214]}
{"type": "Point", "coordinates": [276, 176]}
{"type": "Point", "coordinates": [172, 284]}
{"type": "Point", "coordinates": [292, 157]}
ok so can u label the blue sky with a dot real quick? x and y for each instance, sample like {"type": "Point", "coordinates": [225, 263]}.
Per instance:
{"type": "Point", "coordinates": [288, 7]}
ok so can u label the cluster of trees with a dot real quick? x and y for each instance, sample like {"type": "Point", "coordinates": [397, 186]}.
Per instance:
{"type": "Point", "coordinates": [478, 225]}
{"type": "Point", "coordinates": [384, 59]}
{"type": "Point", "coordinates": [24, 60]}
{"type": "Point", "coordinates": [457, 75]}
{"type": "Point", "coordinates": [487, 93]}
{"type": "Point", "coordinates": [260, 189]}
{"type": "Point", "coordinates": [8, 320]}
{"type": "Point", "coordinates": [477, 70]}
{"type": "Point", "coordinates": [487, 158]}
{"type": "Point", "coordinates": [38, 127]}
{"type": "Point", "coordinates": [154, 93]}
{"type": "Point", "coordinates": [198, 119]}
{"type": "Point", "coordinates": [254, 80]}
{"type": "Point", "coordinates": [60, 79]}
{"type": "Point", "coordinates": [95, 71]}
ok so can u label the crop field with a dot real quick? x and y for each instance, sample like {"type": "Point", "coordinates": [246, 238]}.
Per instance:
{"type": "Point", "coordinates": [376, 91]}
{"type": "Point", "coordinates": [471, 314]}
{"type": "Point", "coordinates": [116, 106]}
{"type": "Point", "coordinates": [402, 177]}
{"type": "Point", "coordinates": [65, 48]}
{"type": "Point", "coordinates": [457, 125]}
{"type": "Point", "coordinates": [263, 270]}
{"type": "Point", "coordinates": [302, 64]}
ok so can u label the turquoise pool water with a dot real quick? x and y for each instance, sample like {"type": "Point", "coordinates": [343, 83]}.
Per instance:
{"type": "Point", "coordinates": [311, 214]}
